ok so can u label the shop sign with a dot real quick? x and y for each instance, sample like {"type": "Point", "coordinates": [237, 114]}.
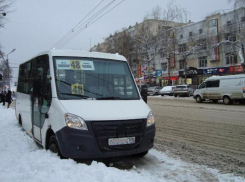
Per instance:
{"type": "Point", "coordinates": [189, 81]}
{"type": "Point", "coordinates": [236, 69]}
{"type": "Point", "coordinates": [174, 73]}
{"type": "Point", "coordinates": [213, 71]}
{"type": "Point", "coordinates": [172, 60]}
{"type": "Point", "coordinates": [164, 74]}
{"type": "Point", "coordinates": [158, 73]}
{"type": "Point", "coordinates": [192, 72]}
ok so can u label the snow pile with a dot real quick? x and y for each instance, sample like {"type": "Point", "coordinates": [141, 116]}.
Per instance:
{"type": "Point", "coordinates": [22, 161]}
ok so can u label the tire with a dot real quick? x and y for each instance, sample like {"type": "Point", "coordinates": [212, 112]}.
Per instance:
{"type": "Point", "coordinates": [162, 95]}
{"type": "Point", "coordinates": [20, 121]}
{"type": "Point", "coordinates": [53, 146]}
{"type": "Point", "coordinates": [198, 99]}
{"type": "Point", "coordinates": [142, 154]}
{"type": "Point", "coordinates": [175, 95]}
{"type": "Point", "coordinates": [227, 100]}
{"type": "Point", "coordinates": [214, 100]}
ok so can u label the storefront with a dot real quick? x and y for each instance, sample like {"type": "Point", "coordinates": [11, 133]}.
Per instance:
{"type": "Point", "coordinates": [170, 79]}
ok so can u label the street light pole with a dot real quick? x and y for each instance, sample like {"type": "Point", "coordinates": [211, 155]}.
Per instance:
{"type": "Point", "coordinates": [8, 69]}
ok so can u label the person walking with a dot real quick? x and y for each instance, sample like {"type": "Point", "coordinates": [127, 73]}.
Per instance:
{"type": "Point", "coordinates": [9, 98]}
{"type": "Point", "coordinates": [3, 97]}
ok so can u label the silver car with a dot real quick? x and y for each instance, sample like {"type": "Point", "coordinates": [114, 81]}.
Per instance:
{"type": "Point", "coordinates": [168, 90]}
{"type": "Point", "coordinates": [185, 90]}
{"type": "Point", "coordinates": [154, 90]}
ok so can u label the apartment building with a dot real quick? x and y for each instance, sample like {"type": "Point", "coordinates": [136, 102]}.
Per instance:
{"type": "Point", "coordinates": [210, 47]}
{"type": "Point", "coordinates": [171, 53]}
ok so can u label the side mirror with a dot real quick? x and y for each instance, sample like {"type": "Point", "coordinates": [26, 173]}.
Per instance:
{"type": "Point", "coordinates": [143, 93]}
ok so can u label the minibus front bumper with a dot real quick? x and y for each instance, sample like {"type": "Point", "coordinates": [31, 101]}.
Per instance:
{"type": "Point", "coordinates": [93, 143]}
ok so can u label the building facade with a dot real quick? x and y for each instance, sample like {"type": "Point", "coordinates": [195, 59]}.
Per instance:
{"type": "Point", "coordinates": [170, 53]}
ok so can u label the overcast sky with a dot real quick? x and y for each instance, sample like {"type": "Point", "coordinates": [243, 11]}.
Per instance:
{"type": "Point", "coordinates": [36, 25]}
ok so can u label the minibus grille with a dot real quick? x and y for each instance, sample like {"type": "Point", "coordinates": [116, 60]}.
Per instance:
{"type": "Point", "coordinates": [104, 130]}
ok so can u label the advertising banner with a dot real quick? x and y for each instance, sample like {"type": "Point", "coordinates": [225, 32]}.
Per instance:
{"type": "Point", "coordinates": [218, 70]}
{"type": "Point", "coordinates": [236, 69]}
{"type": "Point", "coordinates": [158, 73]}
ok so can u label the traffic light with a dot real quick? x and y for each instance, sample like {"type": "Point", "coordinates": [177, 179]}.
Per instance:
{"type": "Point", "coordinates": [1, 77]}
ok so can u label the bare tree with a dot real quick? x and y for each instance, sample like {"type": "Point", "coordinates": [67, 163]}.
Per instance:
{"type": "Point", "coordinates": [237, 3]}
{"type": "Point", "coordinates": [4, 10]}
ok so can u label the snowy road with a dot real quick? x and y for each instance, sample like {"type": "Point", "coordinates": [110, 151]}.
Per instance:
{"type": "Point", "coordinates": [22, 161]}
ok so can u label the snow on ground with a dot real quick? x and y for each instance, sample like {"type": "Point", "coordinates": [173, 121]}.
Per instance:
{"type": "Point", "coordinates": [22, 161]}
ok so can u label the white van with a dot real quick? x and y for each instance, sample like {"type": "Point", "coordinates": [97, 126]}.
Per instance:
{"type": "Point", "coordinates": [226, 88]}
{"type": "Point", "coordinates": [83, 105]}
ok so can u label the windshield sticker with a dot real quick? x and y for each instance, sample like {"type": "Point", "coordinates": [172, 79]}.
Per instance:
{"type": "Point", "coordinates": [77, 89]}
{"type": "Point", "coordinates": [63, 64]}
{"type": "Point", "coordinates": [74, 65]}
{"type": "Point", "coordinates": [87, 65]}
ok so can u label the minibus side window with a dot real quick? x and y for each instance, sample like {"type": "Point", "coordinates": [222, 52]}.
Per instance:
{"type": "Point", "coordinates": [203, 85]}
{"type": "Point", "coordinates": [211, 84]}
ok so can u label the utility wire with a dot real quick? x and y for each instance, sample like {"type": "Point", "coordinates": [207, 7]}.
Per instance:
{"type": "Point", "coordinates": [77, 24]}
{"type": "Point", "coordinates": [89, 24]}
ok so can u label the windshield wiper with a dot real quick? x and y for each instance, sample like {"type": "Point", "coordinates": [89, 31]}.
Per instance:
{"type": "Point", "coordinates": [109, 98]}
{"type": "Point", "coordinates": [77, 95]}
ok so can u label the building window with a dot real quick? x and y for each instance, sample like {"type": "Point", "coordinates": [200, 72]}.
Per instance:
{"type": "Point", "coordinates": [243, 19]}
{"type": "Point", "coordinates": [182, 48]}
{"type": "Point", "coordinates": [202, 62]}
{"type": "Point", "coordinates": [231, 58]}
{"type": "Point", "coordinates": [181, 36]}
{"type": "Point", "coordinates": [190, 34]}
{"type": "Point", "coordinates": [181, 64]}
{"type": "Point", "coordinates": [230, 37]}
{"type": "Point", "coordinates": [202, 44]}
{"type": "Point", "coordinates": [228, 22]}
{"type": "Point", "coordinates": [213, 23]}
{"type": "Point", "coordinates": [161, 54]}
{"type": "Point", "coordinates": [164, 66]}
{"type": "Point", "coordinates": [200, 31]}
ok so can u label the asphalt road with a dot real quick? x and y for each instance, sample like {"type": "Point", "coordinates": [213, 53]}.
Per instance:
{"type": "Point", "coordinates": [208, 133]}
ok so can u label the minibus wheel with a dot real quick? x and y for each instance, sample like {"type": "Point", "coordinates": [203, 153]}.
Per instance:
{"type": "Point", "coordinates": [227, 100]}
{"type": "Point", "coordinates": [53, 146]}
{"type": "Point", "coordinates": [198, 99]}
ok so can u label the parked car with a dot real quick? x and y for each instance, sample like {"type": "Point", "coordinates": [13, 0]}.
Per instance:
{"type": "Point", "coordinates": [168, 90]}
{"type": "Point", "coordinates": [154, 90]}
{"type": "Point", "coordinates": [186, 90]}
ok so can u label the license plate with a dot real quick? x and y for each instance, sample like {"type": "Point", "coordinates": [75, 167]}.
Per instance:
{"type": "Point", "coordinates": [121, 141]}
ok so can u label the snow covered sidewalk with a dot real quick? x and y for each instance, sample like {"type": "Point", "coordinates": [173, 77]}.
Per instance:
{"type": "Point", "coordinates": [22, 161]}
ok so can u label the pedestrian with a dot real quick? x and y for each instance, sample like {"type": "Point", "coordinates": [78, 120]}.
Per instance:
{"type": "Point", "coordinates": [3, 97]}
{"type": "Point", "coordinates": [9, 98]}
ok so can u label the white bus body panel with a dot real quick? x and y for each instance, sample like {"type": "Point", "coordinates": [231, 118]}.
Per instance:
{"type": "Point", "coordinates": [23, 109]}
{"type": "Point", "coordinates": [94, 110]}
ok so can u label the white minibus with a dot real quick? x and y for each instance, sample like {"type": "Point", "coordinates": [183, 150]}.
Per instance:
{"type": "Point", "coordinates": [83, 105]}
{"type": "Point", "coordinates": [227, 88]}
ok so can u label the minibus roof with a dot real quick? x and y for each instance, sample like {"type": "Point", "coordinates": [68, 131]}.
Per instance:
{"type": "Point", "coordinates": [225, 77]}
{"type": "Point", "coordinates": [74, 53]}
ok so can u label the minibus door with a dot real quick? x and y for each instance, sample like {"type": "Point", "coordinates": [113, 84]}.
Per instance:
{"type": "Point", "coordinates": [41, 98]}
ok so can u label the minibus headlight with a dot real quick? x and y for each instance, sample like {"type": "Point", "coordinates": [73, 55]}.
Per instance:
{"type": "Point", "coordinates": [150, 119]}
{"type": "Point", "coordinates": [76, 122]}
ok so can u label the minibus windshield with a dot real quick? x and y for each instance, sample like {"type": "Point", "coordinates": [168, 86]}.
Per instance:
{"type": "Point", "coordinates": [93, 78]}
